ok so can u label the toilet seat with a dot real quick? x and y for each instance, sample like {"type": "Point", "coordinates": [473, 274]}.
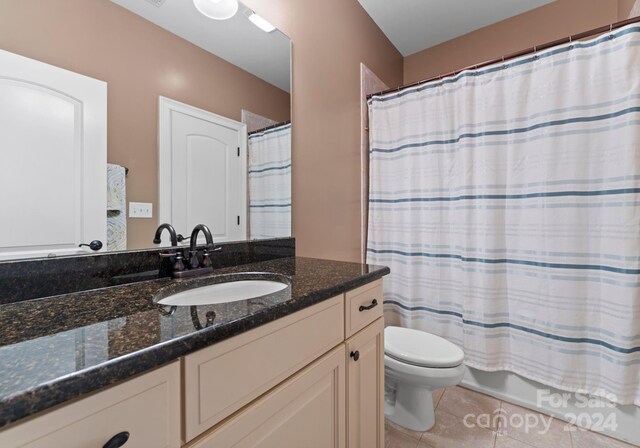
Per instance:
{"type": "Point", "coordinates": [431, 377]}
{"type": "Point", "coordinates": [421, 349]}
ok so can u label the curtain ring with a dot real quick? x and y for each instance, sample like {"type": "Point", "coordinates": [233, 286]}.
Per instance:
{"type": "Point", "coordinates": [570, 42]}
{"type": "Point", "coordinates": [504, 66]}
{"type": "Point", "coordinates": [535, 52]}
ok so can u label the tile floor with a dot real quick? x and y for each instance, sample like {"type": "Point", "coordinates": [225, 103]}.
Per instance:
{"type": "Point", "coordinates": [453, 404]}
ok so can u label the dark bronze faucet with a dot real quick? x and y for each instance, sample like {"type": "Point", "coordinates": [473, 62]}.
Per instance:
{"type": "Point", "coordinates": [174, 254]}
{"type": "Point", "coordinates": [172, 234]}
{"type": "Point", "coordinates": [193, 249]}
{"type": "Point", "coordinates": [196, 264]}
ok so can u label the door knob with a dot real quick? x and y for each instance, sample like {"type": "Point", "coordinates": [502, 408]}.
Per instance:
{"type": "Point", "coordinates": [94, 245]}
{"type": "Point", "coordinates": [355, 355]}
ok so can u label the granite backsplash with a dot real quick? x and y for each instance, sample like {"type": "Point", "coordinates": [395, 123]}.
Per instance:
{"type": "Point", "coordinates": [36, 278]}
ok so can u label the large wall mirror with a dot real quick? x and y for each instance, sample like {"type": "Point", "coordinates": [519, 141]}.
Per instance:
{"type": "Point", "coordinates": [118, 115]}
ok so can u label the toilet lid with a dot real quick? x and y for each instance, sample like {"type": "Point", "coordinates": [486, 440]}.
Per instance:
{"type": "Point", "coordinates": [421, 348]}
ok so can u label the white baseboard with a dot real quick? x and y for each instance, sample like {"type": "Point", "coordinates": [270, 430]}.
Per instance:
{"type": "Point", "coordinates": [515, 389]}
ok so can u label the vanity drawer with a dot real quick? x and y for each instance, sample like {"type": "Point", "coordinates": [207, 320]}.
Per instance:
{"type": "Point", "coordinates": [147, 407]}
{"type": "Point", "coordinates": [222, 378]}
{"type": "Point", "coordinates": [362, 306]}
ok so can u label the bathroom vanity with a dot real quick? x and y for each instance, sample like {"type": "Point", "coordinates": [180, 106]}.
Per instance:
{"type": "Point", "coordinates": [300, 367]}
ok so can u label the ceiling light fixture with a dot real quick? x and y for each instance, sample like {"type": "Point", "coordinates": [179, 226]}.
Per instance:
{"type": "Point", "coordinates": [261, 23]}
{"type": "Point", "coordinates": [217, 9]}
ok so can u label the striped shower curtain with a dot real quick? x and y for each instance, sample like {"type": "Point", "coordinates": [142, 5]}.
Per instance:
{"type": "Point", "coordinates": [270, 183]}
{"type": "Point", "coordinates": [506, 201]}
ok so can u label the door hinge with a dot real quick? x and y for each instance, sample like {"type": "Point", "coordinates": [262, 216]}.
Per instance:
{"type": "Point", "coordinates": [238, 220]}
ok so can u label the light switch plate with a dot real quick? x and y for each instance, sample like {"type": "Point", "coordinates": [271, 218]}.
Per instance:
{"type": "Point", "coordinates": [140, 210]}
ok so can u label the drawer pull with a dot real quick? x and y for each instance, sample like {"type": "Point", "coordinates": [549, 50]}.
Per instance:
{"type": "Point", "coordinates": [355, 355]}
{"type": "Point", "coordinates": [374, 303]}
{"type": "Point", "coordinates": [118, 440]}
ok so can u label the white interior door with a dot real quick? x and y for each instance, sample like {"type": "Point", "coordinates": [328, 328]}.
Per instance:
{"type": "Point", "coordinates": [202, 171]}
{"type": "Point", "coordinates": [53, 159]}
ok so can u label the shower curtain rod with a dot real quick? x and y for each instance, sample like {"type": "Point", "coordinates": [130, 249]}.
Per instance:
{"type": "Point", "coordinates": [269, 127]}
{"type": "Point", "coordinates": [535, 49]}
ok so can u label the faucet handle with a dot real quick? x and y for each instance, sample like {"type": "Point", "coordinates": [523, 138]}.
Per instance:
{"type": "Point", "coordinates": [168, 254]}
{"type": "Point", "coordinates": [178, 265]}
{"type": "Point", "coordinates": [193, 259]}
{"type": "Point", "coordinates": [206, 260]}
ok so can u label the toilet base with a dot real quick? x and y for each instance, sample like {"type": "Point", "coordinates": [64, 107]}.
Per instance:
{"type": "Point", "coordinates": [413, 408]}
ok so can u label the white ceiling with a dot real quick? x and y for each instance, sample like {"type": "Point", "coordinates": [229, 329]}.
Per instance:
{"type": "Point", "coordinates": [414, 25]}
{"type": "Point", "coordinates": [238, 41]}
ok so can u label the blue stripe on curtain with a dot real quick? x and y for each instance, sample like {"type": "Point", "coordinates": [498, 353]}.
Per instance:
{"type": "Point", "coordinates": [517, 327]}
{"type": "Point", "coordinates": [534, 127]}
{"type": "Point", "coordinates": [506, 261]}
{"type": "Point", "coordinates": [506, 203]}
{"type": "Point", "coordinates": [284, 167]}
{"type": "Point", "coordinates": [512, 196]}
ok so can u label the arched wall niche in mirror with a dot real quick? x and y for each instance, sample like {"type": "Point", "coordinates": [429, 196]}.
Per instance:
{"type": "Point", "coordinates": [140, 53]}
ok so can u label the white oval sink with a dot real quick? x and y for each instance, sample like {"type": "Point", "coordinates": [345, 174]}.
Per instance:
{"type": "Point", "coordinates": [223, 293]}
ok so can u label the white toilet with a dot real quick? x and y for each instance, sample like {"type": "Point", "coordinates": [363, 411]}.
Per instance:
{"type": "Point", "coordinates": [415, 364]}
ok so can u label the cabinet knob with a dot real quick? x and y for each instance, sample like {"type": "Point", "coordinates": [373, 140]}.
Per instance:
{"type": "Point", "coordinates": [355, 355]}
{"type": "Point", "coordinates": [374, 303]}
{"type": "Point", "coordinates": [118, 440]}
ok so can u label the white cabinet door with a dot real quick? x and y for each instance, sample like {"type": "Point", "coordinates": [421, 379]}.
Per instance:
{"type": "Point", "coordinates": [53, 159]}
{"type": "Point", "coordinates": [203, 177]}
{"type": "Point", "coordinates": [306, 411]}
{"type": "Point", "coordinates": [365, 387]}
{"type": "Point", "coordinates": [222, 378]}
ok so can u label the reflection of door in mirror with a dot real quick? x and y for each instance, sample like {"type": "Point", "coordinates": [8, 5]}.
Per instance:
{"type": "Point", "coordinates": [202, 171]}
{"type": "Point", "coordinates": [53, 127]}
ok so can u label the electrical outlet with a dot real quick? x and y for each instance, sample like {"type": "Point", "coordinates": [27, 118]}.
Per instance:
{"type": "Point", "coordinates": [140, 210]}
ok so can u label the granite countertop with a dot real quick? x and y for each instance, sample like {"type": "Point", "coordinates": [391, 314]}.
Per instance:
{"type": "Point", "coordinates": [58, 348]}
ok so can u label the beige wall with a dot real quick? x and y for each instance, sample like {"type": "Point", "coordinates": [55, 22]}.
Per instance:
{"type": "Point", "coordinates": [547, 23]}
{"type": "Point", "coordinates": [139, 61]}
{"type": "Point", "coordinates": [628, 9]}
{"type": "Point", "coordinates": [330, 39]}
